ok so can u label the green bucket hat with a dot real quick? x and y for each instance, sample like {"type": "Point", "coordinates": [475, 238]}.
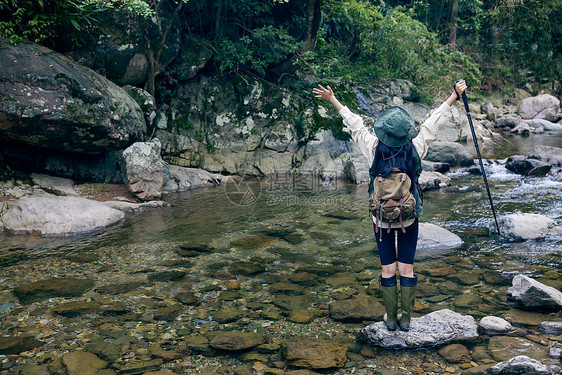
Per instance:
{"type": "Point", "coordinates": [395, 127]}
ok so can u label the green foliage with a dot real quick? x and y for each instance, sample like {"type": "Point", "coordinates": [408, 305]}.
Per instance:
{"type": "Point", "coordinates": [53, 22]}
{"type": "Point", "coordinates": [361, 42]}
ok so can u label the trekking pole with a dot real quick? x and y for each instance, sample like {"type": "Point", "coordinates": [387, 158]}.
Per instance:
{"type": "Point", "coordinates": [465, 102]}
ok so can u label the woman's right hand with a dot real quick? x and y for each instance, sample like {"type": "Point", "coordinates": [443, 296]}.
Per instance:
{"type": "Point", "coordinates": [324, 93]}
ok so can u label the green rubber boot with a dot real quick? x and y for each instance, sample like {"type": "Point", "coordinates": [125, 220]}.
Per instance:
{"type": "Point", "coordinates": [408, 287]}
{"type": "Point", "coordinates": [390, 300]}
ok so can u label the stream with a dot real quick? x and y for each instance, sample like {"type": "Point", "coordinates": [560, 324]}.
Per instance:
{"type": "Point", "coordinates": [280, 246]}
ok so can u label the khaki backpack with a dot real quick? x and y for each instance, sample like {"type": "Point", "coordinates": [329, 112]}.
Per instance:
{"type": "Point", "coordinates": [391, 200]}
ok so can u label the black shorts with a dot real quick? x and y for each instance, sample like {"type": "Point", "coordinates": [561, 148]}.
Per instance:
{"type": "Point", "coordinates": [407, 243]}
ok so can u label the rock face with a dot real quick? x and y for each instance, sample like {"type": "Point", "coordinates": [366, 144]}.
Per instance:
{"type": "Point", "coordinates": [52, 102]}
{"type": "Point", "coordinates": [313, 353]}
{"type": "Point", "coordinates": [530, 294]}
{"type": "Point", "coordinates": [146, 171]}
{"type": "Point", "coordinates": [519, 365]}
{"type": "Point", "coordinates": [540, 107]}
{"type": "Point", "coordinates": [521, 227]}
{"type": "Point", "coordinates": [433, 329]}
{"type": "Point", "coordinates": [58, 216]}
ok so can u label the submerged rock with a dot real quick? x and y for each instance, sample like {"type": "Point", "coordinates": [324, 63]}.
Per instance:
{"type": "Point", "coordinates": [234, 341]}
{"type": "Point", "coordinates": [58, 216]}
{"type": "Point", "coordinates": [530, 294]}
{"type": "Point", "coordinates": [519, 365]}
{"type": "Point", "coordinates": [313, 353]}
{"type": "Point", "coordinates": [436, 328]}
{"type": "Point", "coordinates": [356, 310]}
{"type": "Point", "coordinates": [83, 363]}
{"type": "Point", "coordinates": [521, 227]}
{"type": "Point", "coordinates": [18, 344]}
{"type": "Point", "coordinates": [49, 288]}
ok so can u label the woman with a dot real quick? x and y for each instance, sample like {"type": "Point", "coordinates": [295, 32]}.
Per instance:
{"type": "Point", "coordinates": [395, 147]}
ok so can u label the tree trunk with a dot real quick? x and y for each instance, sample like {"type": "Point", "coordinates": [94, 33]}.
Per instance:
{"type": "Point", "coordinates": [453, 24]}
{"type": "Point", "coordinates": [313, 23]}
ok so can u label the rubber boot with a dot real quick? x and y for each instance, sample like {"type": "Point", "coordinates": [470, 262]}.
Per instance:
{"type": "Point", "coordinates": [390, 300]}
{"type": "Point", "coordinates": [407, 293]}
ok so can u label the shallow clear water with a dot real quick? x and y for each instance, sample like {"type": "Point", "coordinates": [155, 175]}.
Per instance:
{"type": "Point", "coordinates": [292, 227]}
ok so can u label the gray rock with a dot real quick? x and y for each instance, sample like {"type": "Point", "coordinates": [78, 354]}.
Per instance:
{"type": "Point", "coordinates": [58, 185]}
{"type": "Point", "coordinates": [58, 216]}
{"type": "Point", "coordinates": [519, 365]}
{"type": "Point", "coordinates": [146, 171]}
{"type": "Point", "coordinates": [436, 328]}
{"type": "Point", "coordinates": [524, 128]}
{"type": "Point", "coordinates": [430, 166]}
{"type": "Point", "coordinates": [434, 241]}
{"type": "Point", "coordinates": [542, 125]}
{"type": "Point", "coordinates": [146, 102]}
{"type": "Point", "coordinates": [551, 328]}
{"type": "Point", "coordinates": [529, 167]}
{"type": "Point", "coordinates": [419, 111]}
{"type": "Point", "coordinates": [450, 124]}
{"type": "Point", "coordinates": [52, 102]}
{"type": "Point", "coordinates": [493, 325]}
{"type": "Point", "coordinates": [540, 107]}
{"type": "Point", "coordinates": [521, 227]}
{"type": "Point", "coordinates": [433, 180]}
{"type": "Point", "coordinates": [547, 154]}
{"type": "Point", "coordinates": [135, 207]}
{"type": "Point", "coordinates": [492, 112]}
{"type": "Point", "coordinates": [452, 153]}
{"type": "Point", "coordinates": [530, 294]}
{"type": "Point", "coordinates": [190, 178]}
{"type": "Point", "coordinates": [509, 121]}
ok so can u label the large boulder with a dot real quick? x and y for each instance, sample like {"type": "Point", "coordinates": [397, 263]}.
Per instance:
{"type": "Point", "coordinates": [58, 216]}
{"type": "Point", "coordinates": [540, 107]}
{"type": "Point", "coordinates": [436, 328]}
{"type": "Point", "coordinates": [521, 227]}
{"type": "Point", "coordinates": [182, 178]}
{"type": "Point", "coordinates": [540, 125]}
{"type": "Point", "coordinates": [528, 167]}
{"type": "Point", "coordinates": [146, 171]}
{"type": "Point", "coordinates": [52, 102]}
{"type": "Point", "coordinates": [455, 154]}
{"type": "Point", "coordinates": [547, 154]}
{"type": "Point", "coordinates": [530, 294]}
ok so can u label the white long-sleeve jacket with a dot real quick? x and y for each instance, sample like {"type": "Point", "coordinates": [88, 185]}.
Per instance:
{"type": "Point", "coordinates": [367, 141]}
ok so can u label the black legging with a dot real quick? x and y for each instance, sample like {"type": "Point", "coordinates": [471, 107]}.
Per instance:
{"type": "Point", "coordinates": [407, 243]}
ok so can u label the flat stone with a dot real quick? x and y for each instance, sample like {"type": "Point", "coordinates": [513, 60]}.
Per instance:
{"type": "Point", "coordinates": [18, 344]}
{"type": "Point", "coordinates": [234, 341]}
{"type": "Point", "coordinates": [187, 298]}
{"type": "Point", "coordinates": [313, 353]}
{"type": "Point", "coordinates": [228, 315]}
{"type": "Point", "coordinates": [140, 367]}
{"type": "Point", "coordinates": [58, 216]}
{"type": "Point", "coordinates": [357, 310]}
{"type": "Point", "coordinates": [523, 318]}
{"type": "Point", "coordinates": [246, 268]}
{"type": "Point", "coordinates": [502, 348]}
{"type": "Point", "coordinates": [83, 363]}
{"type": "Point", "coordinates": [168, 313]}
{"type": "Point", "coordinates": [49, 288]}
{"type": "Point", "coordinates": [436, 328]}
{"type": "Point", "coordinates": [166, 276]}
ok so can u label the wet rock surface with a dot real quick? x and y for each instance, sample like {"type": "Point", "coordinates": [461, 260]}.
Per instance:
{"type": "Point", "coordinates": [530, 294]}
{"type": "Point", "coordinates": [436, 328]}
{"type": "Point", "coordinates": [312, 353]}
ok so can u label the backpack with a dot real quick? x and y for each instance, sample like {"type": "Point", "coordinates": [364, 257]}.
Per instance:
{"type": "Point", "coordinates": [391, 200]}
